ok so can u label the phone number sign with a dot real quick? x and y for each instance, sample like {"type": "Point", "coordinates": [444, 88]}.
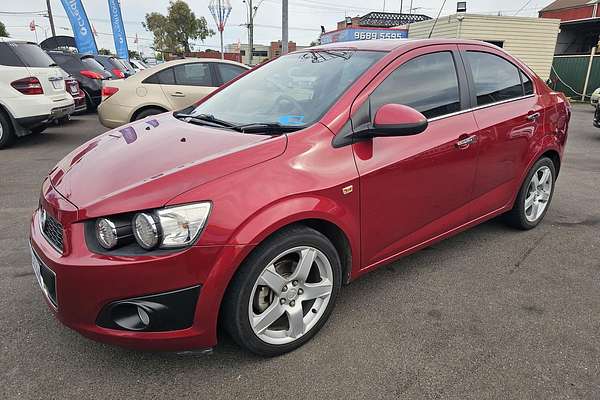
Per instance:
{"type": "Point", "coordinates": [350, 34]}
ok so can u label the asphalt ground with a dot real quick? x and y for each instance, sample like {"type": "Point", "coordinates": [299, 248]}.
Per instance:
{"type": "Point", "coordinates": [491, 313]}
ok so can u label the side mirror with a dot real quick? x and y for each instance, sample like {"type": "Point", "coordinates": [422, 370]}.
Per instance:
{"type": "Point", "coordinates": [398, 120]}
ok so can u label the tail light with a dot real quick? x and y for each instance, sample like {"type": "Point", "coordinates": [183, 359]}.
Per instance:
{"type": "Point", "coordinates": [118, 73]}
{"type": "Point", "coordinates": [90, 74]}
{"type": "Point", "coordinates": [108, 91]}
{"type": "Point", "coordinates": [28, 86]}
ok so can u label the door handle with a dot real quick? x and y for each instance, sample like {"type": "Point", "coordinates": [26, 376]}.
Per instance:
{"type": "Point", "coordinates": [533, 116]}
{"type": "Point", "coordinates": [464, 143]}
{"type": "Point", "coordinates": [178, 94]}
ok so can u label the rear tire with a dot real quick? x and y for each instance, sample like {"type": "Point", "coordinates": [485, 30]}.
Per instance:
{"type": "Point", "coordinates": [7, 131]}
{"type": "Point", "coordinates": [146, 113]}
{"type": "Point", "coordinates": [534, 197]}
{"type": "Point", "coordinates": [283, 293]}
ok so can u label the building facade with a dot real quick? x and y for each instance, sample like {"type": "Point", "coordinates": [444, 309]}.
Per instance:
{"type": "Point", "coordinates": [532, 40]}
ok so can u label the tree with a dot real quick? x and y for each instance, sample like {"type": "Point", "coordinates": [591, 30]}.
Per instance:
{"type": "Point", "coordinates": [3, 31]}
{"type": "Point", "coordinates": [104, 52]}
{"type": "Point", "coordinates": [134, 54]}
{"type": "Point", "coordinates": [174, 31]}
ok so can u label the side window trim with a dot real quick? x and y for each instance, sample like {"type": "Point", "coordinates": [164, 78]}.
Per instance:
{"type": "Point", "coordinates": [217, 79]}
{"type": "Point", "coordinates": [471, 81]}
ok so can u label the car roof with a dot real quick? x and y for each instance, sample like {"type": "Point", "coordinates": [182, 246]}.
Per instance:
{"type": "Point", "coordinates": [393, 44]}
{"type": "Point", "coordinates": [7, 39]}
{"type": "Point", "coordinates": [197, 59]}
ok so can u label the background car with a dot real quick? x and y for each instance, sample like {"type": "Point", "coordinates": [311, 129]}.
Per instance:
{"type": "Point", "coordinates": [138, 65]}
{"type": "Point", "coordinates": [170, 86]}
{"type": "Point", "coordinates": [32, 90]}
{"type": "Point", "coordinates": [595, 97]}
{"type": "Point", "coordinates": [88, 72]}
{"type": "Point", "coordinates": [72, 87]}
{"type": "Point", "coordinates": [112, 64]}
{"type": "Point", "coordinates": [128, 67]}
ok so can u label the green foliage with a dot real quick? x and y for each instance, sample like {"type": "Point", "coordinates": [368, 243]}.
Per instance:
{"type": "Point", "coordinates": [174, 31]}
{"type": "Point", "coordinates": [134, 54]}
{"type": "Point", "coordinates": [105, 52]}
{"type": "Point", "coordinates": [3, 31]}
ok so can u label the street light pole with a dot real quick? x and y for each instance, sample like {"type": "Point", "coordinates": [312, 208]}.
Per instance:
{"type": "Point", "coordinates": [250, 31]}
{"type": "Point", "coordinates": [49, 8]}
{"type": "Point", "coordinates": [284, 27]}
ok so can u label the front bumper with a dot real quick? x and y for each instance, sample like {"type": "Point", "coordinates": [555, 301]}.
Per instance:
{"type": "Point", "coordinates": [88, 284]}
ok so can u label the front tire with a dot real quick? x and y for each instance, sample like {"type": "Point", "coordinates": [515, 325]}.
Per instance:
{"type": "Point", "coordinates": [284, 292]}
{"type": "Point", "coordinates": [534, 197]}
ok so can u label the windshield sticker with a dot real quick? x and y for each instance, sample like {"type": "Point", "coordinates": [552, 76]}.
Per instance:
{"type": "Point", "coordinates": [291, 120]}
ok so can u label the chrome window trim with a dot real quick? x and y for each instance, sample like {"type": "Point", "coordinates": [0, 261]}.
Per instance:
{"type": "Point", "coordinates": [480, 107]}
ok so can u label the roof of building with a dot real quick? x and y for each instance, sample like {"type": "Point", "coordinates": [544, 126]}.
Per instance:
{"type": "Point", "coordinates": [387, 19]}
{"type": "Point", "coordinates": [562, 4]}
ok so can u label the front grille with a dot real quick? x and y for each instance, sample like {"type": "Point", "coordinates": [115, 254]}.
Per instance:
{"type": "Point", "coordinates": [54, 232]}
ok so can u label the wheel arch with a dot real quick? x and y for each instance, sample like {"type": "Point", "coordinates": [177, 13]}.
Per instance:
{"type": "Point", "coordinates": [144, 108]}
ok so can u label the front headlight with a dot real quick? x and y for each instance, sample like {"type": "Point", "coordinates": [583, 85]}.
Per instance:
{"type": "Point", "coordinates": [165, 228]}
{"type": "Point", "coordinates": [170, 227]}
{"type": "Point", "coordinates": [181, 225]}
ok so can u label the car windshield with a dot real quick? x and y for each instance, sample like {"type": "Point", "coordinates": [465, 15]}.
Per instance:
{"type": "Point", "coordinates": [293, 90]}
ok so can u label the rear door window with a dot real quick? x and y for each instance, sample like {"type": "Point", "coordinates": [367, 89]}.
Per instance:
{"type": "Point", "coordinates": [31, 55]}
{"type": "Point", "coordinates": [495, 78]}
{"type": "Point", "coordinates": [427, 83]}
{"type": "Point", "coordinates": [196, 74]}
{"type": "Point", "coordinates": [229, 71]}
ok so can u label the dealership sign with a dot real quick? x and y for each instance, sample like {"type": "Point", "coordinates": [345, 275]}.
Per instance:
{"type": "Point", "coordinates": [349, 34]}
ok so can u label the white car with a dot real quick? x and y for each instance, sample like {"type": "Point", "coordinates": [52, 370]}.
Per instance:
{"type": "Point", "coordinates": [32, 90]}
{"type": "Point", "coordinates": [138, 65]}
{"type": "Point", "coordinates": [595, 97]}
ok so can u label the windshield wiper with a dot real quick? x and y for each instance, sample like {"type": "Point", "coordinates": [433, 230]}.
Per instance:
{"type": "Point", "coordinates": [265, 127]}
{"type": "Point", "coordinates": [203, 118]}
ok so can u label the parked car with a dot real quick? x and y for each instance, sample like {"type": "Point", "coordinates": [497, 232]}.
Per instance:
{"type": "Point", "coordinates": [170, 86]}
{"type": "Point", "coordinates": [128, 67]}
{"type": "Point", "coordinates": [595, 97]}
{"type": "Point", "coordinates": [112, 64]}
{"type": "Point", "coordinates": [32, 90]}
{"type": "Point", "coordinates": [138, 65]}
{"type": "Point", "coordinates": [87, 71]}
{"type": "Point", "coordinates": [254, 206]}
{"type": "Point", "coordinates": [76, 93]}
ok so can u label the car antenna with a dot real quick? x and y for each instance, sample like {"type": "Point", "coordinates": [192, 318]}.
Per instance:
{"type": "Point", "coordinates": [436, 19]}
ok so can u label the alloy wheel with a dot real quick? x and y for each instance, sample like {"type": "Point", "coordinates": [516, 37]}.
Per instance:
{"type": "Point", "coordinates": [290, 295]}
{"type": "Point", "coordinates": [538, 193]}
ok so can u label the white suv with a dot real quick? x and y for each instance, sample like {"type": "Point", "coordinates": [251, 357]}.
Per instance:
{"type": "Point", "coordinates": [32, 90]}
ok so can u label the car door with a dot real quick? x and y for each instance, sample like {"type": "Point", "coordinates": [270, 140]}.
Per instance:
{"type": "Point", "coordinates": [415, 188]}
{"type": "Point", "coordinates": [193, 81]}
{"type": "Point", "coordinates": [508, 114]}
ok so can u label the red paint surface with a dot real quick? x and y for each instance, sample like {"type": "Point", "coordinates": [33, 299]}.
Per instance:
{"type": "Point", "coordinates": [408, 193]}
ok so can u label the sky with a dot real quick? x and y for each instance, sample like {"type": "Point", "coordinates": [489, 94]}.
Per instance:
{"type": "Point", "coordinates": [305, 17]}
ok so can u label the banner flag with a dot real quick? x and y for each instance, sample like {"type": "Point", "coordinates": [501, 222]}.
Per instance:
{"type": "Point", "coordinates": [116, 19]}
{"type": "Point", "coordinates": [84, 36]}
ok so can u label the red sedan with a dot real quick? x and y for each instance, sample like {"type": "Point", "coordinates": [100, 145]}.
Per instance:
{"type": "Point", "coordinates": [253, 207]}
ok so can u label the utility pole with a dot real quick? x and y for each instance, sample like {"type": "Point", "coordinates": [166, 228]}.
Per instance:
{"type": "Point", "coordinates": [49, 8]}
{"type": "Point", "coordinates": [250, 31]}
{"type": "Point", "coordinates": [284, 27]}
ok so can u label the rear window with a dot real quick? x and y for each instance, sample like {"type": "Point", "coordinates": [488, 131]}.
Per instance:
{"type": "Point", "coordinates": [92, 64]}
{"type": "Point", "coordinates": [31, 55]}
{"type": "Point", "coordinates": [8, 57]}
